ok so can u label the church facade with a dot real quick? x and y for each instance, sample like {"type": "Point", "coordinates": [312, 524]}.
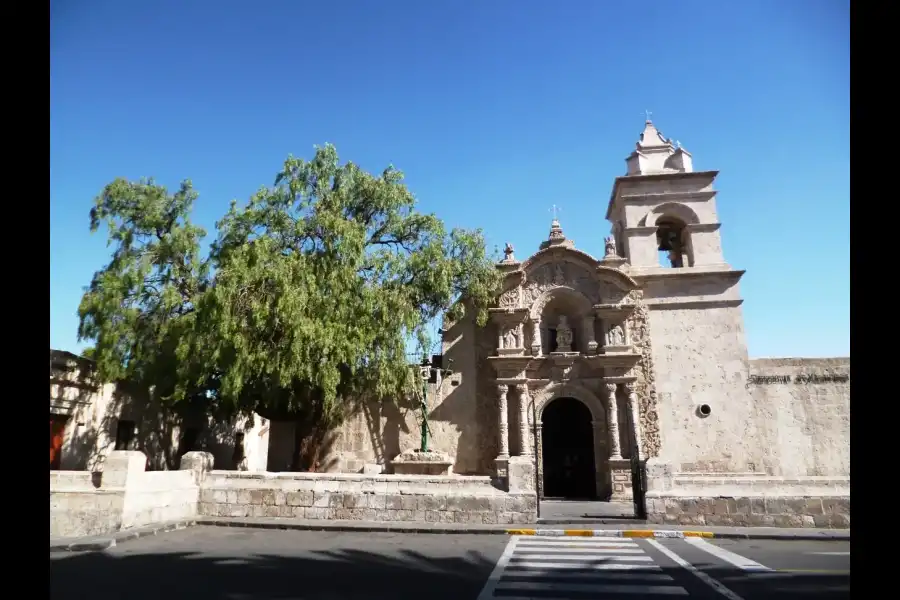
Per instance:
{"type": "Point", "coordinates": [588, 363]}
{"type": "Point", "coordinates": [592, 374]}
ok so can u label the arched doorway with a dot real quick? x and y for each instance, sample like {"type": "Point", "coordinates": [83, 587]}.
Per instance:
{"type": "Point", "coordinates": [568, 450]}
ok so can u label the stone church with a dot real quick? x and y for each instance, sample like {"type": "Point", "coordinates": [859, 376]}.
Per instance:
{"type": "Point", "coordinates": [589, 362]}
{"type": "Point", "coordinates": [587, 367]}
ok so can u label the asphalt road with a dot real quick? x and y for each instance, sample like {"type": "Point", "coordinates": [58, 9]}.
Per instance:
{"type": "Point", "coordinates": [246, 564]}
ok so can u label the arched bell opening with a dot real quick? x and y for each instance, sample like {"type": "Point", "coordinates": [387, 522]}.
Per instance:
{"type": "Point", "coordinates": [673, 243]}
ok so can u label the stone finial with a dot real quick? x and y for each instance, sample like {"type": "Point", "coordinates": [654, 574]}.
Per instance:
{"type": "Point", "coordinates": [557, 237]}
{"type": "Point", "coordinates": [508, 253]}
{"type": "Point", "coordinates": [610, 246]}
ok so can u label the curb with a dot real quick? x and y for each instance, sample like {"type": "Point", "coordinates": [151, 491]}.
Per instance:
{"type": "Point", "coordinates": [386, 527]}
{"type": "Point", "coordinates": [607, 533]}
{"type": "Point", "coordinates": [835, 535]}
{"type": "Point", "coordinates": [100, 544]}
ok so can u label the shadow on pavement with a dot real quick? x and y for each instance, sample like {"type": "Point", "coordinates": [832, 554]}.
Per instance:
{"type": "Point", "coordinates": [351, 574]}
{"type": "Point", "coordinates": [344, 574]}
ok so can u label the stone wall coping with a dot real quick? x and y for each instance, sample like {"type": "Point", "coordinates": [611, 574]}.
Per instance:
{"type": "Point", "coordinates": [684, 479]}
{"type": "Point", "coordinates": [778, 495]}
{"type": "Point", "coordinates": [354, 477]}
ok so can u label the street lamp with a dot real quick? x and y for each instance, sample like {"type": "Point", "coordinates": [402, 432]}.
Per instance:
{"type": "Point", "coordinates": [429, 370]}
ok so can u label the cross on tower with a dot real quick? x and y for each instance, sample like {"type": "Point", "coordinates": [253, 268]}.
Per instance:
{"type": "Point", "coordinates": [647, 114]}
{"type": "Point", "coordinates": [554, 210]}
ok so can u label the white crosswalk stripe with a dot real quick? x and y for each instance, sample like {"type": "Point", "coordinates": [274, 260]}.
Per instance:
{"type": "Point", "coordinates": [567, 568]}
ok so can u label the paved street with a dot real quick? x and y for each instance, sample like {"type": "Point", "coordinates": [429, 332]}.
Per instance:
{"type": "Point", "coordinates": [246, 564]}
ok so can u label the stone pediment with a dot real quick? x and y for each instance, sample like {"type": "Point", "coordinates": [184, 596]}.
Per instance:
{"type": "Point", "coordinates": [564, 270]}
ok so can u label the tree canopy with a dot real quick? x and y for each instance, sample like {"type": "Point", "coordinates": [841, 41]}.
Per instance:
{"type": "Point", "coordinates": [308, 294]}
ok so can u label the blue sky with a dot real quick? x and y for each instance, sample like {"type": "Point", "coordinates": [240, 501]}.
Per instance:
{"type": "Point", "coordinates": [494, 110]}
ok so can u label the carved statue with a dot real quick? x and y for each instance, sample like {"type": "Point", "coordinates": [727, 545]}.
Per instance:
{"type": "Point", "coordinates": [559, 278]}
{"type": "Point", "coordinates": [611, 246]}
{"type": "Point", "coordinates": [563, 335]}
{"type": "Point", "coordinates": [508, 251]}
{"type": "Point", "coordinates": [615, 336]}
{"type": "Point", "coordinates": [509, 340]}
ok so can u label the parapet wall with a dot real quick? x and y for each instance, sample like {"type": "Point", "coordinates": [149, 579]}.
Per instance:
{"type": "Point", "coordinates": [419, 498]}
{"type": "Point", "coordinates": [123, 496]}
{"type": "Point", "coordinates": [802, 415]}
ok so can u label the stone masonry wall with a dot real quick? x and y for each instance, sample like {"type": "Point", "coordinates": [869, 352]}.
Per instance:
{"type": "Point", "coordinates": [363, 497]}
{"type": "Point", "coordinates": [123, 496]}
{"type": "Point", "coordinates": [758, 511]}
{"type": "Point", "coordinates": [79, 508]}
{"type": "Point", "coordinates": [802, 415]}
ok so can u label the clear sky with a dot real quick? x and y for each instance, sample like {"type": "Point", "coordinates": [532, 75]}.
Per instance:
{"type": "Point", "coordinates": [494, 110]}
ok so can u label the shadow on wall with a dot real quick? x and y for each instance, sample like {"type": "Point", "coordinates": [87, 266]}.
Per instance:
{"type": "Point", "coordinates": [280, 568]}
{"type": "Point", "coordinates": [129, 418]}
{"type": "Point", "coordinates": [463, 406]}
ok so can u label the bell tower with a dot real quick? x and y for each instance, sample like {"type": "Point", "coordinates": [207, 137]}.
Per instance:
{"type": "Point", "coordinates": [663, 212]}
{"type": "Point", "coordinates": [666, 226]}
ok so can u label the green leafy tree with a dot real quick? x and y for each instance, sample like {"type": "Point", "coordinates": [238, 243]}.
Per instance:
{"type": "Point", "coordinates": [319, 283]}
{"type": "Point", "coordinates": [140, 310]}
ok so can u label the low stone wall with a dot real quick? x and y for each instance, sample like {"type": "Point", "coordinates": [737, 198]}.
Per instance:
{"type": "Point", "coordinates": [775, 511]}
{"type": "Point", "coordinates": [123, 496]}
{"type": "Point", "coordinates": [79, 508]}
{"type": "Point", "coordinates": [422, 498]}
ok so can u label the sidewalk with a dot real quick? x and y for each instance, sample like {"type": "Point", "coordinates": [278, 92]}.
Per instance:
{"type": "Point", "coordinates": [575, 529]}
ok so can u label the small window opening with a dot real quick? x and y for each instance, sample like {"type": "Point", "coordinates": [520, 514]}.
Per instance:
{"type": "Point", "coordinates": [189, 440]}
{"type": "Point", "coordinates": [238, 456]}
{"type": "Point", "coordinates": [125, 435]}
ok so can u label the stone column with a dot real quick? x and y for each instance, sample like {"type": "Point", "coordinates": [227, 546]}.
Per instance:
{"type": "Point", "coordinates": [503, 423]}
{"type": "Point", "coordinates": [500, 339]}
{"type": "Point", "coordinates": [536, 337]}
{"type": "Point", "coordinates": [635, 417]}
{"type": "Point", "coordinates": [612, 421]}
{"type": "Point", "coordinates": [539, 450]}
{"type": "Point", "coordinates": [524, 434]}
{"type": "Point", "coordinates": [589, 334]}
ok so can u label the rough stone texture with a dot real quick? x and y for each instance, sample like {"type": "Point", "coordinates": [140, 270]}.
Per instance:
{"type": "Point", "coordinates": [804, 424]}
{"type": "Point", "coordinates": [776, 427]}
{"type": "Point", "coordinates": [639, 325]}
{"type": "Point", "coordinates": [123, 496]}
{"type": "Point", "coordinates": [742, 511]}
{"type": "Point", "coordinates": [364, 498]}
{"type": "Point", "coordinates": [414, 462]}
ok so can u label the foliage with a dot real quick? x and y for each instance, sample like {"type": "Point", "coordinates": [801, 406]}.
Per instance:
{"type": "Point", "coordinates": [319, 281]}
{"type": "Point", "coordinates": [141, 308]}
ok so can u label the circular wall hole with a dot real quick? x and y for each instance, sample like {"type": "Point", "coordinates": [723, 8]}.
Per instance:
{"type": "Point", "coordinates": [704, 410]}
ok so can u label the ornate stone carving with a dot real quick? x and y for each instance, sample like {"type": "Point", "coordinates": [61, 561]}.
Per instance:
{"type": "Point", "coordinates": [559, 275]}
{"type": "Point", "coordinates": [524, 434]}
{"type": "Point", "coordinates": [563, 335]}
{"type": "Point", "coordinates": [509, 298]}
{"type": "Point", "coordinates": [635, 419]}
{"type": "Point", "coordinates": [610, 246]}
{"type": "Point", "coordinates": [508, 252]}
{"type": "Point", "coordinates": [502, 421]}
{"type": "Point", "coordinates": [615, 336]}
{"type": "Point", "coordinates": [645, 386]}
{"type": "Point", "coordinates": [612, 418]}
{"type": "Point", "coordinates": [510, 338]}
{"type": "Point", "coordinates": [536, 337]}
